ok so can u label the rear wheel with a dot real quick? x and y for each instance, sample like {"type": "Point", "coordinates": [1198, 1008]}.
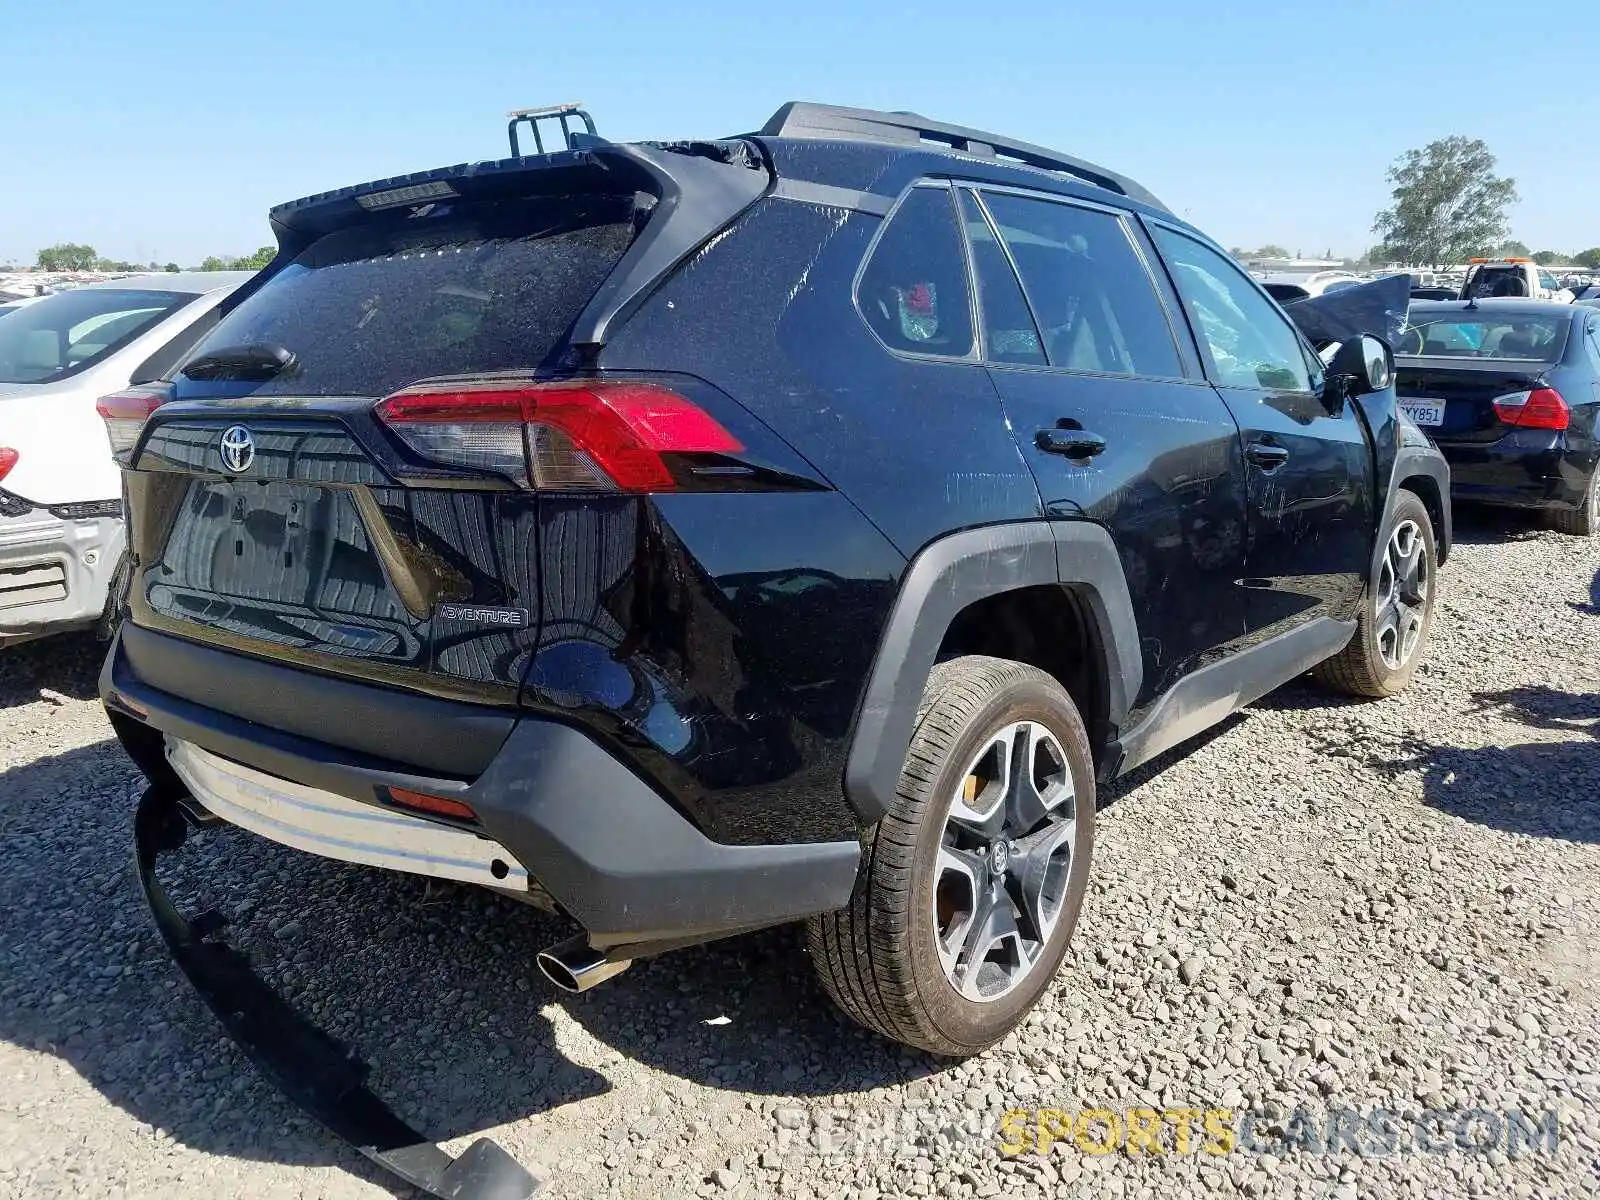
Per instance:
{"type": "Point", "coordinates": [1392, 632]}
{"type": "Point", "coordinates": [1583, 521]}
{"type": "Point", "coordinates": [971, 884]}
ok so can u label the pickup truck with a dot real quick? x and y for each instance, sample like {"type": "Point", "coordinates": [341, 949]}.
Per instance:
{"type": "Point", "coordinates": [1510, 278]}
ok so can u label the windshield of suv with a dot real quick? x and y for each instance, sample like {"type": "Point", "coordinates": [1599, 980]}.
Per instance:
{"type": "Point", "coordinates": [464, 289]}
{"type": "Point", "coordinates": [72, 331]}
{"type": "Point", "coordinates": [1532, 338]}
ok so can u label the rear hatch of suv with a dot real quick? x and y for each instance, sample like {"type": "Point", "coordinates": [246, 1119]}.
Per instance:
{"type": "Point", "coordinates": [345, 475]}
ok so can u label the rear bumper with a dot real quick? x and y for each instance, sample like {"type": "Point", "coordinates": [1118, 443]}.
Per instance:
{"type": "Point", "coordinates": [1527, 468]}
{"type": "Point", "coordinates": [54, 573]}
{"type": "Point", "coordinates": [610, 850]}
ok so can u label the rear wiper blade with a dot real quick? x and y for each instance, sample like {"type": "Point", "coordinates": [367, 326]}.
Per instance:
{"type": "Point", "coordinates": [254, 362]}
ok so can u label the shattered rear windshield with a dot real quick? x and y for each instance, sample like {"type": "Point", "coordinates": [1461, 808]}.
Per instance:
{"type": "Point", "coordinates": [468, 288]}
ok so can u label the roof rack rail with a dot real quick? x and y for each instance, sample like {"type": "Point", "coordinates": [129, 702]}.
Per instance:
{"type": "Point", "coordinates": [562, 114]}
{"type": "Point", "coordinates": [801, 119]}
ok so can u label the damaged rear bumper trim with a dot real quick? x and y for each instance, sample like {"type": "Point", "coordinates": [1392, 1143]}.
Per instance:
{"type": "Point", "coordinates": [307, 1065]}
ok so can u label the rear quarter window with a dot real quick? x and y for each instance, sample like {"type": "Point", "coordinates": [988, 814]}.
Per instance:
{"type": "Point", "coordinates": [485, 287]}
{"type": "Point", "coordinates": [913, 290]}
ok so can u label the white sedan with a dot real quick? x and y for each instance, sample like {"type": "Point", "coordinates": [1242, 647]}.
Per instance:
{"type": "Point", "coordinates": [60, 508]}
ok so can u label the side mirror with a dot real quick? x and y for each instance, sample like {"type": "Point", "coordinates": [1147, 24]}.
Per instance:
{"type": "Point", "coordinates": [1362, 365]}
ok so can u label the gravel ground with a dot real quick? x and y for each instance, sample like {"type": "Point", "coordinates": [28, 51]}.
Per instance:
{"type": "Point", "coordinates": [1323, 905]}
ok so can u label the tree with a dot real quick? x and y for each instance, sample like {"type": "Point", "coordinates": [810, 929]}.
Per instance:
{"type": "Point", "coordinates": [1271, 251]}
{"type": "Point", "coordinates": [1545, 257]}
{"type": "Point", "coordinates": [1381, 255]}
{"type": "Point", "coordinates": [1589, 258]}
{"type": "Point", "coordinates": [1449, 205]}
{"type": "Point", "coordinates": [172, 268]}
{"type": "Point", "coordinates": [257, 260]}
{"type": "Point", "coordinates": [67, 256]}
{"type": "Point", "coordinates": [213, 263]}
{"type": "Point", "coordinates": [1513, 249]}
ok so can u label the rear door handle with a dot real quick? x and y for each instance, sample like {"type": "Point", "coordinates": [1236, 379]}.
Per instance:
{"type": "Point", "coordinates": [1074, 443]}
{"type": "Point", "coordinates": [1267, 456]}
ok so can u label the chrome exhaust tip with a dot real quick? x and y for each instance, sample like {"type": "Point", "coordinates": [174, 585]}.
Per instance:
{"type": "Point", "coordinates": [575, 966]}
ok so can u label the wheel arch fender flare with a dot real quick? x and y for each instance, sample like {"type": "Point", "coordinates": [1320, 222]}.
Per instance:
{"type": "Point", "coordinates": [1414, 465]}
{"type": "Point", "coordinates": [945, 577]}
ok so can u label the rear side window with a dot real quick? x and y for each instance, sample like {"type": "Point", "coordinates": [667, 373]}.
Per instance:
{"type": "Point", "coordinates": [482, 287]}
{"type": "Point", "coordinates": [913, 291]}
{"type": "Point", "coordinates": [1247, 342]}
{"type": "Point", "coordinates": [1096, 306]}
{"type": "Point", "coordinates": [63, 334]}
{"type": "Point", "coordinates": [1009, 333]}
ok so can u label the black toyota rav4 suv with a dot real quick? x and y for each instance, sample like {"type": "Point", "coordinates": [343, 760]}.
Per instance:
{"type": "Point", "coordinates": [693, 537]}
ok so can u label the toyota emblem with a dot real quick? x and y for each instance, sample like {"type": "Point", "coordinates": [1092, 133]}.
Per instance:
{"type": "Point", "coordinates": [238, 449]}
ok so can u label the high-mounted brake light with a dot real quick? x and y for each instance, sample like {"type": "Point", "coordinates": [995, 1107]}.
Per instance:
{"type": "Point", "coordinates": [591, 435]}
{"type": "Point", "coordinates": [8, 459]}
{"type": "Point", "coordinates": [1542, 408]}
{"type": "Point", "coordinates": [126, 412]}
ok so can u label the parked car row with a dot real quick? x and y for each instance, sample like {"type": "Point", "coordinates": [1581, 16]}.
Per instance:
{"type": "Point", "coordinates": [694, 537]}
{"type": "Point", "coordinates": [61, 532]}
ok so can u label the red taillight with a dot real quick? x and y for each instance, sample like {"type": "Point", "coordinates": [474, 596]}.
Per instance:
{"type": "Point", "coordinates": [441, 806]}
{"type": "Point", "coordinates": [126, 412]}
{"type": "Point", "coordinates": [1542, 408]}
{"type": "Point", "coordinates": [8, 459]}
{"type": "Point", "coordinates": [595, 435]}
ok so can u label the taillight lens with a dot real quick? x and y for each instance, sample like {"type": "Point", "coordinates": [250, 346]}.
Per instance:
{"type": "Point", "coordinates": [592, 435]}
{"type": "Point", "coordinates": [1542, 408]}
{"type": "Point", "coordinates": [126, 412]}
{"type": "Point", "coordinates": [8, 459]}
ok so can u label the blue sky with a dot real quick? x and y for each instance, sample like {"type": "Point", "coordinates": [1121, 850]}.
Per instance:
{"type": "Point", "coordinates": [164, 129]}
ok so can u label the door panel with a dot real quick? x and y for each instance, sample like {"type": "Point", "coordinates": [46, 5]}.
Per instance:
{"type": "Point", "coordinates": [1309, 464]}
{"type": "Point", "coordinates": [1169, 486]}
{"type": "Point", "coordinates": [1094, 388]}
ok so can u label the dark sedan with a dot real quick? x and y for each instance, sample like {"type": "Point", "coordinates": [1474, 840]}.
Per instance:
{"type": "Point", "coordinates": [1509, 390]}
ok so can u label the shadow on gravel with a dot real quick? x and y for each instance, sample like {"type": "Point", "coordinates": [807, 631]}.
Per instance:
{"type": "Point", "coordinates": [1546, 708]}
{"type": "Point", "coordinates": [434, 986]}
{"type": "Point", "coordinates": [1593, 607]}
{"type": "Point", "coordinates": [68, 663]}
{"type": "Point", "coordinates": [1542, 789]}
{"type": "Point", "coordinates": [1112, 792]}
{"type": "Point", "coordinates": [1486, 525]}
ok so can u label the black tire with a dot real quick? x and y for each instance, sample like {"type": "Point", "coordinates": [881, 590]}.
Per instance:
{"type": "Point", "coordinates": [1583, 521]}
{"type": "Point", "coordinates": [879, 959]}
{"type": "Point", "coordinates": [1366, 667]}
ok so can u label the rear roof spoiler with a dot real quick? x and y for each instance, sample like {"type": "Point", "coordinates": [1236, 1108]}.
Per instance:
{"type": "Point", "coordinates": [692, 188]}
{"type": "Point", "coordinates": [801, 119]}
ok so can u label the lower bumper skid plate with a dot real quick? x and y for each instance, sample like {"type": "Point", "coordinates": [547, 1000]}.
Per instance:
{"type": "Point", "coordinates": [304, 1063]}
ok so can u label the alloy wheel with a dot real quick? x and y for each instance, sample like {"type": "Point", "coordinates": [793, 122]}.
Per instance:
{"type": "Point", "coordinates": [1004, 858]}
{"type": "Point", "coordinates": [1401, 605]}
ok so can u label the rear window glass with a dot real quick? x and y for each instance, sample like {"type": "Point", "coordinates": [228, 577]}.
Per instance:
{"type": "Point", "coordinates": [1285, 293]}
{"type": "Point", "coordinates": [71, 331]}
{"type": "Point", "coordinates": [485, 287]}
{"type": "Point", "coordinates": [1534, 338]}
{"type": "Point", "coordinates": [1499, 281]}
